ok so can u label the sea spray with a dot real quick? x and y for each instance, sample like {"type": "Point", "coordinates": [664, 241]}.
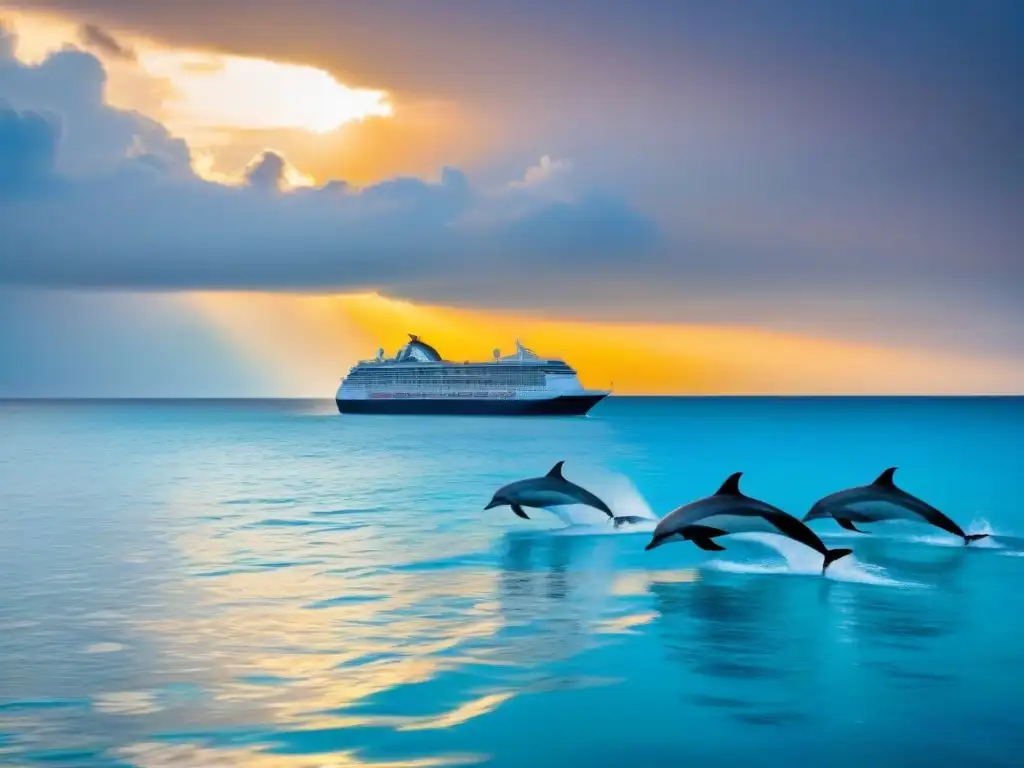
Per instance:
{"type": "Point", "coordinates": [801, 560]}
{"type": "Point", "coordinates": [619, 493]}
{"type": "Point", "coordinates": [908, 532]}
{"type": "Point", "coordinates": [942, 539]}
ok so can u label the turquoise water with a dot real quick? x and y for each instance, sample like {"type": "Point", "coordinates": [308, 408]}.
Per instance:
{"type": "Point", "coordinates": [271, 584]}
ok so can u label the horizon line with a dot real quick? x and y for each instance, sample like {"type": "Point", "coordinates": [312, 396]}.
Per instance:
{"type": "Point", "coordinates": [673, 396]}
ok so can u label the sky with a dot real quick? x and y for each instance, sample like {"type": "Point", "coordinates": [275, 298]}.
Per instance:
{"type": "Point", "coordinates": [225, 198]}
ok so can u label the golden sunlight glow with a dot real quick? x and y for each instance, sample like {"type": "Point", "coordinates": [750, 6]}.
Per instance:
{"type": "Point", "coordinates": [202, 90]}
{"type": "Point", "coordinates": [316, 338]}
{"type": "Point", "coordinates": [461, 714]}
{"type": "Point", "coordinates": [229, 109]}
{"type": "Point", "coordinates": [204, 166]}
{"type": "Point", "coordinates": [237, 92]}
{"type": "Point", "coordinates": [37, 34]}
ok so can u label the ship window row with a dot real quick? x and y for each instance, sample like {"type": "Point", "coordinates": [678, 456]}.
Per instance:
{"type": "Point", "coordinates": [511, 376]}
{"type": "Point", "coordinates": [449, 387]}
{"type": "Point", "coordinates": [463, 372]}
{"type": "Point", "coordinates": [516, 381]}
{"type": "Point", "coordinates": [423, 381]}
{"type": "Point", "coordinates": [527, 378]}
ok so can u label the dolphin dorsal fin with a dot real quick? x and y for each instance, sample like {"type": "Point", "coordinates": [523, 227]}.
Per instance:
{"type": "Point", "coordinates": [885, 479]}
{"type": "Point", "coordinates": [731, 487]}
{"type": "Point", "coordinates": [556, 471]}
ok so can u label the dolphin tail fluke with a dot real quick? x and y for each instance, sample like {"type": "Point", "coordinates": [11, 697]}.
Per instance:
{"type": "Point", "coordinates": [834, 554]}
{"type": "Point", "coordinates": [968, 538]}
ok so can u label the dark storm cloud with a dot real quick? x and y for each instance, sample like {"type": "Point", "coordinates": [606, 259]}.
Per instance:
{"type": "Point", "coordinates": [102, 41]}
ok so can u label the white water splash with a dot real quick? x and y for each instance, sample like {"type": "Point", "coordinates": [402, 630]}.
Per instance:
{"type": "Point", "coordinates": [603, 528]}
{"type": "Point", "coordinates": [978, 525]}
{"type": "Point", "coordinates": [804, 561]}
{"type": "Point", "coordinates": [981, 525]}
{"type": "Point", "coordinates": [619, 493]}
{"type": "Point", "coordinates": [907, 532]}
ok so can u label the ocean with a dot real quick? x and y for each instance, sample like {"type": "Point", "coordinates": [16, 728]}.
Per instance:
{"type": "Point", "coordinates": [267, 583]}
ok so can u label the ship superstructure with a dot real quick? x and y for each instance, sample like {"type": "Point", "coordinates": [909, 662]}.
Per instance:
{"type": "Point", "coordinates": [418, 380]}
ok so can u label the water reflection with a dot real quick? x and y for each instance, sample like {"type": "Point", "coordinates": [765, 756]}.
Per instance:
{"type": "Point", "coordinates": [551, 591]}
{"type": "Point", "coordinates": [904, 635]}
{"type": "Point", "coordinates": [340, 653]}
{"type": "Point", "coordinates": [726, 633]}
{"type": "Point", "coordinates": [937, 566]}
{"type": "Point", "coordinates": [255, 624]}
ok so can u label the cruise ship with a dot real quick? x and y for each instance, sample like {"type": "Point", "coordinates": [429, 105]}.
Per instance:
{"type": "Point", "coordinates": [419, 381]}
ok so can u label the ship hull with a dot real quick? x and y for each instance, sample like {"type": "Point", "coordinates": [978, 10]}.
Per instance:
{"type": "Point", "coordinates": [563, 405]}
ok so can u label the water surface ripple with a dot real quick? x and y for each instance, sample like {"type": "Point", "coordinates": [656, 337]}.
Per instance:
{"type": "Point", "coordinates": [271, 584]}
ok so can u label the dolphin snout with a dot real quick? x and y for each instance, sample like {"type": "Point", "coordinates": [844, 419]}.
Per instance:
{"type": "Point", "coordinates": [815, 513]}
{"type": "Point", "coordinates": [493, 503]}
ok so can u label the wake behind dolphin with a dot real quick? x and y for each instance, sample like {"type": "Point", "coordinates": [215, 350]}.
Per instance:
{"type": "Point", "coordinates": [630, 520]}
{"type": "Point", "coordinates": [551, 492]}
{"type": "Point", "coordinates": [883, 500]}
{"type": "Point", "coordinates": [730, 511]}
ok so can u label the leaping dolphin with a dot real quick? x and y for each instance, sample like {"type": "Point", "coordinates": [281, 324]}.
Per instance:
{"type": "Point", "coordinates": [730, 511]}
{"type": "Point", "coordinates": [552, 490]}
{"type": "Point", "coordinates": [882, 500]}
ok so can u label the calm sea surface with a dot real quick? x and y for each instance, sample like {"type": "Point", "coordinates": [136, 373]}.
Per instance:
{"type": "Point", "coordinates": [272, 584]}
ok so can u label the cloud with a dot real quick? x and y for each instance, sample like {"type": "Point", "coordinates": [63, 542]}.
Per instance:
{"type": "Point", "coordinates": [99, 39]}
{"type": "Point", "coordinates": [267, 172]}
{"type": "Point", "coordinates": [551, 177]}
{"type": "Point", "coordinates": [68, 87]}
{"type": "Point", "coordinates": [133, 215]}
{"type": "Point", "coordinates": [7, 41]}
{"type": "Point", "coordinates": [816, 188]}
{"type": "Point", "coordinates": [28, 145]}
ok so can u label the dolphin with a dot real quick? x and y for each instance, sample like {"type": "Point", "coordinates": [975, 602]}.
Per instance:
{"type": "Point", "coordinates": [552, 490]}
{"type": "Point", "coordinates": [730, 511]}
{"type": "Point", "coordinates": [882, 500]}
